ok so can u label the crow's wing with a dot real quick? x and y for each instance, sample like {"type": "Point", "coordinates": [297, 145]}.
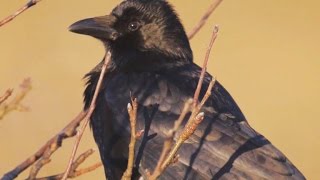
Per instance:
{"type": "Point", "coordinates": [223, 146]}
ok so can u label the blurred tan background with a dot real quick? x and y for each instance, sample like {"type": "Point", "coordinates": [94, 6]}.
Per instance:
{"type": "Point", "coordinates": [266, 55]}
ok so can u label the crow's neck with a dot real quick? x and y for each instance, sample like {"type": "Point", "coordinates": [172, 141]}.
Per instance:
{"type": "Point", "coordinates": [147, 61]}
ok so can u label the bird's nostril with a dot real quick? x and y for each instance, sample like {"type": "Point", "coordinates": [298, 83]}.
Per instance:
{"type": "Point", "coordinates": [114, 36]}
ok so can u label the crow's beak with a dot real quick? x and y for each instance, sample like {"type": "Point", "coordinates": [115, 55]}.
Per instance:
{"type": "Point", "coordinates": [99, 27]}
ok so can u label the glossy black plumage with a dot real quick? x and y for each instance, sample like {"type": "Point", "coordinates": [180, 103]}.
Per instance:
{"type": "Point", "coordinates": [152, 60]}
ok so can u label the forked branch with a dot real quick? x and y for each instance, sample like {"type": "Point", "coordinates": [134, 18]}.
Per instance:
{"type": "Point", "coordinates": [52, 145]}
{"type": "Point", "coordinates": [15, 103]}
{"type": "Point", "coordinates": [75, 172]}
{"type": "Point", "coordinates": [169, 153]}
{"type": "Point", "coordinates": [205, 65]}
{"type": "Point", "coordinates": [107, 60]}
{"type": "Point", "coordinates": [132, 110]}
{"type": "Point", "coordinates": [195, 119]}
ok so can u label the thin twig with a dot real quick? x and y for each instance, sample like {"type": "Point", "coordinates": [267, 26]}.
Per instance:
{"type": "Point", "coordinates": [169, 141]}
{"type": "Point", "coordinates": [74, 174]}
{"type": "Point", "coordinates": [186, 133]}
{"type": "Point", "coordinates": [6, 95]}
{"type": "Point", "coordinates": [189, 128]}
{"type": "Point", "coordinates": [208, 93]}
{"type": "Point", "coordinates": [19, 11]}
{"type": "Point", "coordinates": [168, 155]}
{"type": "Point", "coordinates": [90, 111]}
{"type": "Point", "coordinates": [81, 159]}
{"type": "Point", "coordinates": [132, 110]}
{"type": "Point", "coordinates": [45, 159]}
{"type": "Point", "coordinates": [15, 103]}
{"type": "Point", "coordinates": [74, 170]}
{"type": "Point", "coordinates": [196, 116]}
{"type": "Point", "coordinates": [204, 66]}
{"type": "Point", "coordinates": [56, 141]}
{"type": "Point", "coordinates": [86, 170]}
{"type": "Point", "coordinates": [204, 18]}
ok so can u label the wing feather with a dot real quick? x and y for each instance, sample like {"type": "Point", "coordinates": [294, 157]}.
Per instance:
{"type": "Point", "coordinates": [223, 146]}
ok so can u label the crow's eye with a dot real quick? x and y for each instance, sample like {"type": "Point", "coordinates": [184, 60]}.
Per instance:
{"type": "Point", "coordinates": [133, 26]}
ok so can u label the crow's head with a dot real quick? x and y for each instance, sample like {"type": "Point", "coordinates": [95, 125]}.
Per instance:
{"type": "Point", "coordinates": [140, 31]}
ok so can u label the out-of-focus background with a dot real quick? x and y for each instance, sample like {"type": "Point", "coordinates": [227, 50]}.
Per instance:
{"type": "Point", "coordinates": [266, 55]}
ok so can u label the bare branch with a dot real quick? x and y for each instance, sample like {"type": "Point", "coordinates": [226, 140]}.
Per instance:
{"type": "Point", "coordinates": [204, 18]}
{"type": "Point", "coordinates": [204, 66]}
{"type": "Point", "coordinates": [81, 159]}
{"type": "Point", "coordinates": [87, 118]}
{"type": "Point", "coordinates": [74, 172]}
{"type": "Point", "coordinates": [15, 104]}
{"type": "Point", "coordinates": [45, 159]}
{"type": "Point", "coordinates": [86, 170]}
{"type": "Point", "coordinates": [208, 93]}
{"type": "Point", "coordinates": [19, 11]}
{"type": "Point", "coordinates": [132, 110]}
{"type": "Point", "coordinates": [54, 142]}
{"type": "Point", "coordinates": [188, 130]}
{"type": "Point", "coordinates": [195, 118]}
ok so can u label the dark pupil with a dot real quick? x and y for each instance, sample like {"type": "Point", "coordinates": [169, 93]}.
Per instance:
{"type": "Point", "coordinates": [133, 26]}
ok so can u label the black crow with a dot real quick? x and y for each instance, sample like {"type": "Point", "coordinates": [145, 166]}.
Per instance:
{"type": "Point", "coordinates": [152, 61]}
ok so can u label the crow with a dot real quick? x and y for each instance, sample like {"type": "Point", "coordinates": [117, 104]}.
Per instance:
{"type": "Point", "coordinates": [151, 60]}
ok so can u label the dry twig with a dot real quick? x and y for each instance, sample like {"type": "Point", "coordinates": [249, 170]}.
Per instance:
{"type": "Point", "coordinates": [74, 172]}
{"type": "Point", "coordinates": [204, 18]}
{"type": "Point", "coordinates": [168, 156]}
{"type": "Point", "coordinates": [132, 110]}
{"type": "Point", "coordinates": [29, 4]}
{"type": "Point", "coordinates": [53, 144]}
{"type": "Point", "coordinates": [15, 104]}
{"type": "Point", "coordinates": [192, 124]}
{"type": "Point", "coordinates": [6, 95]}
{"type": "Point", "coordinates": [204, 66]}
{"type": "Point", "coordinates": [90, 111]}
